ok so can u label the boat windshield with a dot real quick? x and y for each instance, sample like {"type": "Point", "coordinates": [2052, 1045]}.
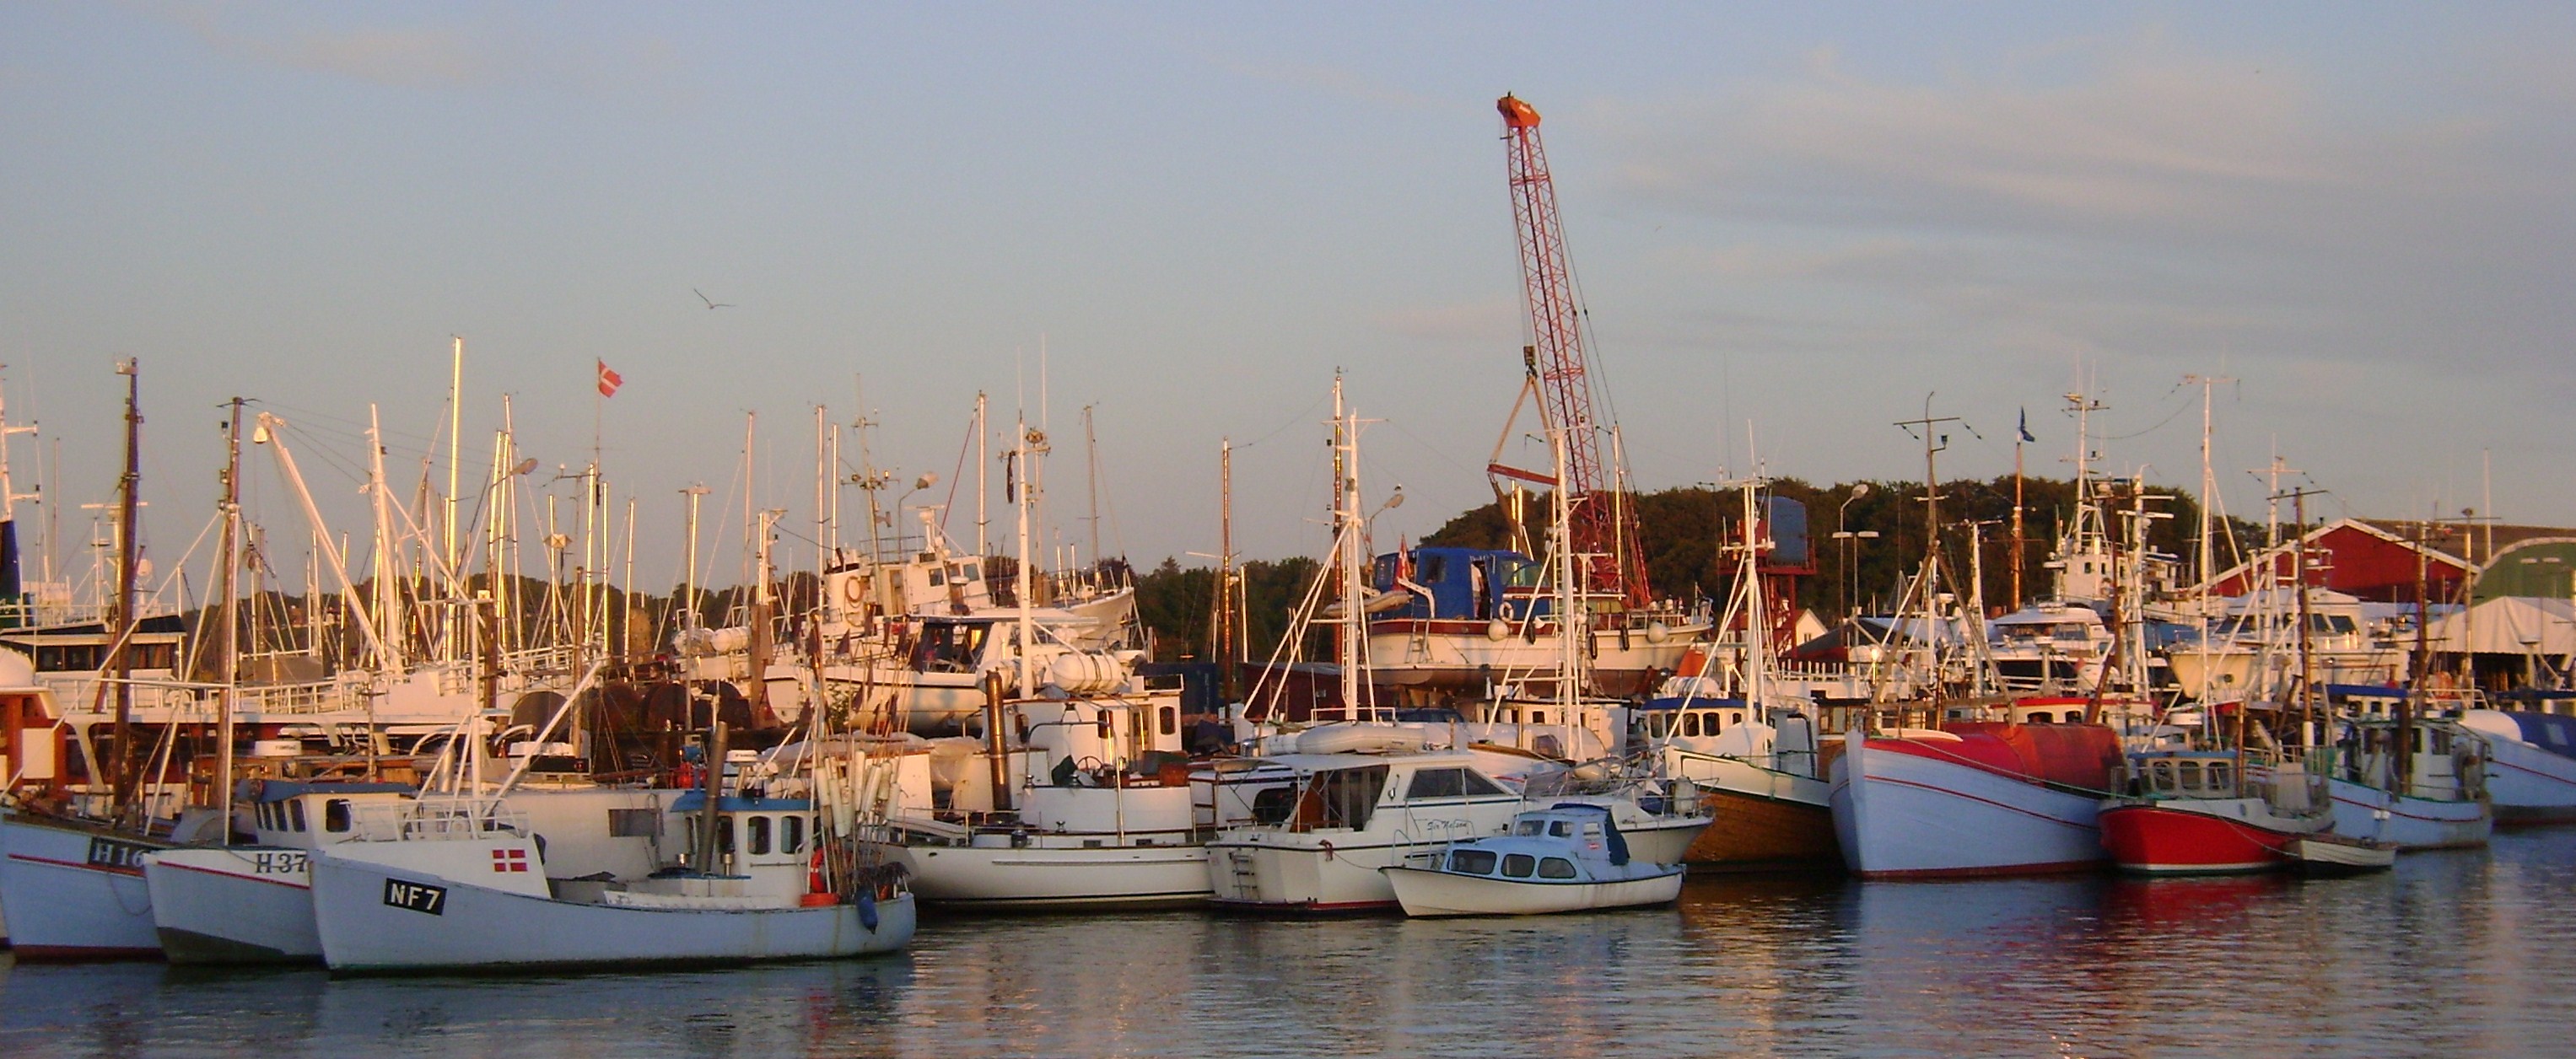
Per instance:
{"type": "Point", "coordinates": [1472, 861]}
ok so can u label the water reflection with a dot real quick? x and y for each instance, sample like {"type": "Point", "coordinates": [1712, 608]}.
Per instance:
{"type": "Point", "coordinates": [2451, 952]}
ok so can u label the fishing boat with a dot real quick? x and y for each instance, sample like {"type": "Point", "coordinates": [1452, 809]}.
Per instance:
{"type": "Point", "coordinates": [2530, 764]}
{"type": "Point", "coordinates": [253, 903]}
{"type": "Point", "coordinates": [2212, 812]}
{"type": "Point", "coordinates": [464, 883]}
{"type": "Point", "coordinates": [2415, 784]}
{"type": "Point", "coordinates": [1977, 798]}
{"type": "Point", "coordinates": [1568, 858]}
{"type": "Point", "coordinates": [1089, 807]}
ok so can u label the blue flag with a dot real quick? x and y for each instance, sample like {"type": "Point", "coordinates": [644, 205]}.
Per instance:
{"type": "Point", "coordinates": [2024, 428]}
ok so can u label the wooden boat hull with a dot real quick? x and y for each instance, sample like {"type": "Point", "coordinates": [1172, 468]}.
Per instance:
{"type": "Point", "coordinates": [234, 905]}
{"type": "Point", "coordinates": [2156, 840]}
{"type": "Point", "coordinates": [1426, 892]}
{"type": "Point", "coordinates": [374, 918]}
{"type": "Point", "coordinates": [75, 893]}
{"type": "Point", "coordinates": [2337, 855]}
{"type": "Point", "coordinates": [1751, 832]}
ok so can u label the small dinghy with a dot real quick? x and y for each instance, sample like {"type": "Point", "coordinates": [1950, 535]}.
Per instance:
{"type": "Point", "coordinates": [2331, 854]}
{"type": "Point", "coordinates": [1569, 858]}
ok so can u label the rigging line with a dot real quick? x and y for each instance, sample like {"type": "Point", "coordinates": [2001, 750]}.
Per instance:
{"type": "Point", "coordinates": [1433, 449]}
{"type": "Point", "coordinates": [2179, 409]}
{"type": "Point", "coordinates": [1292, 421]}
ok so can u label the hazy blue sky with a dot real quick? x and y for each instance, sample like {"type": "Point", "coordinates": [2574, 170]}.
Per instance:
{"type": "Point", "coordinates": [1804, 217]}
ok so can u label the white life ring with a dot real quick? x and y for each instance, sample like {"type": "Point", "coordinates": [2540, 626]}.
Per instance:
{"type": "Point", "coordinates": [853, 592]}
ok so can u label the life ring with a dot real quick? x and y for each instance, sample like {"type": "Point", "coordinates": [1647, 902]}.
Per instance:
{"type": "Point", "coordinates": [853, 592]}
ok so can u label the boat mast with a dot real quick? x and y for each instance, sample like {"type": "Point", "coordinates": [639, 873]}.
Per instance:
{"type": "Point", "coordinates": [1031, 442]}
{"type": "Point", "coordinates": [1350, 553]}
{"type": "Point", "coordinates": [120, 790]}
{"type": "Point", "coordinates": [228, 636]}
{"type": "Point", "coordinates": [17, 605]}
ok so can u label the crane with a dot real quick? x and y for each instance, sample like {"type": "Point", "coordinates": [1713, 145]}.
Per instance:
{"type": "Point", "coordinates": [1601, 523]}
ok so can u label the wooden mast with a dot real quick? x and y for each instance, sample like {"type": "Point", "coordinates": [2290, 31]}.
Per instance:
{"type": "Point", "coordinates": [121, 616]}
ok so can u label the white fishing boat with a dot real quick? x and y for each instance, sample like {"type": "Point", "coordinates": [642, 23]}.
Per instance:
{"type": "Point", "coordinates": [1569, 858]}
{"type": "Point", "coordinates": [463, 884]}
{"type": "Point", "coordinates": [253, 903]}
{"type": "Point", "coordinates": [2530, 764]}
{"type": "Point", "coordinates": [1977, 799]}
{"type": "Point", "coordinates": [1090, 807]}
{"type": "Point", "coordinates": [2418, 785]}
{"type": "Point", "coordinates": [1308, 832]}
{"type": "Point", "coordinates": [73, 889]}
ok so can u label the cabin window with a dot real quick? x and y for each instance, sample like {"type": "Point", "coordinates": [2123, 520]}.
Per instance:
{"type": "Point", "coordinates": [791, 835]}
{"type": "Point", "coordinates": [2441, 742]}
{"type": "Point", "coordinates": [1592, 829]}
{"type": "Point", "coordinates": [2161, 775]}
{"type": "Point", "coordinates": [1472, 861]}
{"type": "Point", "coordinates": [938, 577]}
{"type": "Point", "coordinates": [1477, 785]}
{"type": "Point", "coordinates": [2220, 782]}
{"type": "Point", "coordinates": [1735, 718]}
{"type": "Point", "coordinates": [335, 815]}
{"type": "Point", "coordinates": [2039, 717]}
{"type": "Point", "coordinates": [1530, 828]}
{"type": "Point", "coordinates": [1538, 716]}
{"type": "Point", "coordinates": [1435, 569]}
{"type": "Point", "coordinates": [759, 828]}
{"type": "Point", "coordinates": [260, 814]}
{"type": "Point", "coordinates": [632, 823]}
{"type": "Point", "coordinates": [1437, 783]}
{"type": "Point", "coordinates": [724, 834]}
{"type": "Point", "coordinates": [1690, 724]}
{"type": "Point", "coordinates": [1555, 868]}
{"type": "Point", "coordinates": [1170, 720]}
{"type": "Point", "coordinates": [1519, 865]}
{"type": "Point", "coordinates": [295, 815]}
{"type": "Point", "coordinates": [1560, 829]}
{"type": "Point", "coordinates": [2190, 771]}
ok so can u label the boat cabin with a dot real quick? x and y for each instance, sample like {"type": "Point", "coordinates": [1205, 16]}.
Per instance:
{"type": "Point", "coordinates": [770, 842]}
{"type": "Point", "coordinates": [1545, 845]}
{"type": "Point", "coordinates": [1462, 584]}
{"type": "Point", "coordinates": [1325, 792]}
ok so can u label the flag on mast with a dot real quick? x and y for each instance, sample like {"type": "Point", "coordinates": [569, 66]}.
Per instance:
{"type": "Point", "coordinates": [609, 380]}
{"type": "Point", "coordinates": [2023, 430]}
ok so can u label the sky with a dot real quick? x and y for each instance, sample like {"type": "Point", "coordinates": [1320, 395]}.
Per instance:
{"type": "Point", "coordinates": [1792, 225]}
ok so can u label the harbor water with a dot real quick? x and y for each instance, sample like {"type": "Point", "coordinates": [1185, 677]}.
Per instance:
{"type": "Point", "coordinates": [2461, 952]}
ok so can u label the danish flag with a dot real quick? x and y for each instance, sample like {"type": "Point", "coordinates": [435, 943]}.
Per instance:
{"type": "Point", "coordinates": [609, 380]}
{"type": "Point", "coordinates": [505, 860]}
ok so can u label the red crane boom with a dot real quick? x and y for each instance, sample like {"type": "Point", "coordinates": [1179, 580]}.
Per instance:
{"type": "Point", "coordinates": [1602, 527]}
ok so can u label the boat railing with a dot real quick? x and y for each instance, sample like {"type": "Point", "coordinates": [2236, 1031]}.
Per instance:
{"type": "Point", "coordinates": [435, 820]}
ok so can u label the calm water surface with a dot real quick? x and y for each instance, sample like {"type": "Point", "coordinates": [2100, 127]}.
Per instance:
{"type": "Point", "coordinates": [2465, 952]}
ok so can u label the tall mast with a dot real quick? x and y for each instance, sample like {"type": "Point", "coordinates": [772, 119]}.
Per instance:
{"type": "Point", "coordinates": [1030, 443]}
{"type": "Point", "coordinates": [1223, 647]}
{"type": "Point", "coordinates": [228, 634]}
{"type": "Point", "coordinates": [1350, 554]}
{"type": "Point", "coordinates": [983, 460]}
{"type": "Point", "coordinates": [448, 546]}
{"type": "Point", "coordinates": [121, 795]}
{"type": "Point", "coordinates": [1091, 456]}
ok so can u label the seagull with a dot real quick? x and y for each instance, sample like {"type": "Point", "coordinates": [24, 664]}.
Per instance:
{"type": "Point", "coordinates": [711, 303]}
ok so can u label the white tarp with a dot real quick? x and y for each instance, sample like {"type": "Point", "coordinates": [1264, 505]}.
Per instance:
{"type": "Point", "coordinates": [2510, 625]}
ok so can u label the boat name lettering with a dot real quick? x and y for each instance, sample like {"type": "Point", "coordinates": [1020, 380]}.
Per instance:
{"type": "Point", "coordinates": [279, 863]}
{"type": "Point", "coordinates": [417, 897]}
{"type": "Point", "coordinates": [123, 856]}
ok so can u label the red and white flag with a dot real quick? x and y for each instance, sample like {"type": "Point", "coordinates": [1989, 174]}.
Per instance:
{"type": "Point", "coordinates": [609, 381]}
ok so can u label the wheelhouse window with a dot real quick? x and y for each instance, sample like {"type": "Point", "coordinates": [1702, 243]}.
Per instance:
{"type": "Point", "coordinates": [1449, 783]}
{"type": "Point", "coordinates": [2190, 773]}
{"type": "Point", "coordinates": [335, 815]}
{"type": "Point", "coordinates": [1472, 861]}
{"type": "Point", "coordinates": [791, 835]}
{"type": "Point", "coordinates": [1519, 865]}
{"type": "Point", "coordinates": [295, 815]}
{"type": "Point", "coordinates": [759, 835]}
{"type": "Point", "coordinates": [1560, 828]}
{"type": "Point", "coordinates": [2220, 779]}
{"type": "Point", "coordinates": [1555, 868]}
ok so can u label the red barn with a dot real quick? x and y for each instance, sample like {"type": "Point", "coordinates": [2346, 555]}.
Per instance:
{"type": "Point", "coordinates": [2375, 561]}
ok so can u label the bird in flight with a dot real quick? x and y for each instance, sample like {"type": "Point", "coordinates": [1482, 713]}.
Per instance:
{"type": "Point", "coordinates": [711, 303]}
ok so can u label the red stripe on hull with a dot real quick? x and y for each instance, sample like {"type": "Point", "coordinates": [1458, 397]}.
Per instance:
{"type": "Point", "coordinates": [2161, 841]}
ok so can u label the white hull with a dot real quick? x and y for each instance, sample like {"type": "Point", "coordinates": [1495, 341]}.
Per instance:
{"type": "Point", "coordinates": [1424, 892]}
{"type": "Point", "coordinates": [1302, 872]}
{"type": "Point", "coordinates": [2525, 784]}
{"type": "Point", "coordinates": [1036, 877]}
{"type": "Point", "coordinates": [2236, 668]}
{"type": "Point", "coordinates": [1410, 653]}
{"type": "Point", "coordinates": [372, 918]}
{"type": "Point", "coordinates": [74, 893]}
{"type": "Point", "coordinates": [236, 905]}
{"type": "Point", "coordinates": [2409, 822]}
{"type": "Point", "coordinates": [1899, 815]}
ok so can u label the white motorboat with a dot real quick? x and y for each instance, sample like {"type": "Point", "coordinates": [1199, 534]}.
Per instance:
{"type": "Point", "coordinates": [1569, 858]}
{"type": "Point", "coordinates": [2332, 854]}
